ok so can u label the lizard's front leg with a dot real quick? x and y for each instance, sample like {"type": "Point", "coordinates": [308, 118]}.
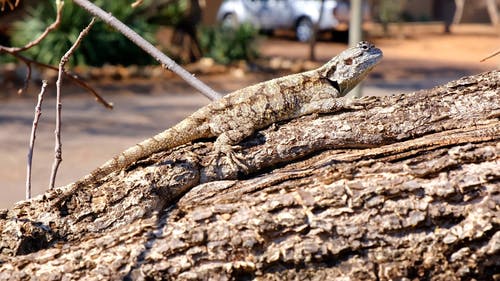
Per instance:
{"type": "Point", "coordinates": [226, 143]}
{"type": "Point", "coordinates": [224, 156]}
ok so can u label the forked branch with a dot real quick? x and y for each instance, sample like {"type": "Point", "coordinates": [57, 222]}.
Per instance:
{"type": "Point", "coordinates": [54, 25]}
{"type": "Point", "coordinates": [14, 51]}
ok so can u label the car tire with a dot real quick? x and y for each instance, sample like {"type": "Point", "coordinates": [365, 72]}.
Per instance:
{"type": "Point", "coordinates": [340, 36]}
{"type": "Point", "coordinates": [230, 20]}
{"type": "Point", "coordinates": [304, 29]}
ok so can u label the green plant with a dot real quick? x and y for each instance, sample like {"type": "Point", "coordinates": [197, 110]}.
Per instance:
{"type": "Point", "coordinates": [169, 13]}
{"type": "Point", "coordinates": [225, 44]}
{"type": "Point", "coordinates": [102, 45]}
{"type": "Point", "coordinates": [391, 10]}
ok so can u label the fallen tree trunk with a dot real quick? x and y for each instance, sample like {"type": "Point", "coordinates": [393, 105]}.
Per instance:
{"type": "Point", "coordinates": [408, 186]}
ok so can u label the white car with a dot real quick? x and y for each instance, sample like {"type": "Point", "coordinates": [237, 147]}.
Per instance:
{"type": "Point", "coordinates": [298, 15]}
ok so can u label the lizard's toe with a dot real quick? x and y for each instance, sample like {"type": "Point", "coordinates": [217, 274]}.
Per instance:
{"type": "Point", "coordinates": [226, 154]}
{"type": "Point", "coordinates": [225, 163]}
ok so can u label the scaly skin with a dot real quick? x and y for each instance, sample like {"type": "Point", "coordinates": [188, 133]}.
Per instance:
{"type": "Point", "coordinates": [239, 114]}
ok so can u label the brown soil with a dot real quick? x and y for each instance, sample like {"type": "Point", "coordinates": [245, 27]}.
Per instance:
{"type": "Point", "coordinates": [91, 134]}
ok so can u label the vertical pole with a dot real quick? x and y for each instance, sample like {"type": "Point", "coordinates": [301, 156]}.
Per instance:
{"type": "Point", "coordinates": [459, 11]}
{"type": "Point", "coordinates": [314, 37]}
{"type": "Point", "coordinates": [355, 32]}
{"type": "Point", "coordinates": [493, 11]}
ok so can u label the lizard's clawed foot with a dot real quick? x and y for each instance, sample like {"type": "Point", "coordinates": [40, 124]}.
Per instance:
{"type": "Point", "coordinates": [231, 158]}
{"type": "Point", "coordinates": [225, 162]}
{"type": "Point", "coordinates": [360, 103]}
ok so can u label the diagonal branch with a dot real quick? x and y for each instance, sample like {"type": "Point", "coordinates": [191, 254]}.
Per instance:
{"type": "Point", "coordinates": [149, 48]}
{"type": "Point", "coordinates": [71, 76]}
{"type": "Point", "coordinates": [14, 50]}
{"type": "Point", "coordinates": [37, 41]}
{"type": "Point", "coordinates": [491, 55]}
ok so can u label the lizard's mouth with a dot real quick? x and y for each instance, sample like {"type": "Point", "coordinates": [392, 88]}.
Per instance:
{"type": "Point", "coordinates": [334, 84]}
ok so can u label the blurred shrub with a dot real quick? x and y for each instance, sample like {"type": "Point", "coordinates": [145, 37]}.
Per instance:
{"type": "Point", "coordinates": [166, 12]}
{"type": "Point", "coordinates": [391, 10]}
{"type": "Point", "coordinates": [225, 44]}
{"type": "Point", "coordinates": [102, 45]}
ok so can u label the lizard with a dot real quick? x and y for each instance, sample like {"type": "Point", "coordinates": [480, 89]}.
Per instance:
{"type": "Point", "coordinates": [239, 114]}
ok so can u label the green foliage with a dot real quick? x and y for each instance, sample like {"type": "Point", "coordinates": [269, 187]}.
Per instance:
{"type": "Point", "coordinates": [6, 59]}
{"type": "Point", "coordinates": [391, 10]}
{"type": "Point", "coordinates": [102, 45]}
{"type": "Point", "coordinates": [225, 44]}
{"type": "Point", "coordinates": [170, 14]}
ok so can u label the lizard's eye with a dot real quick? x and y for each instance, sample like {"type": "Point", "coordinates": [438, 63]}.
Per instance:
{"type": "Point", "coordinates": [348, 61]}
{"type": "Point", "coordinates": [364, 45]}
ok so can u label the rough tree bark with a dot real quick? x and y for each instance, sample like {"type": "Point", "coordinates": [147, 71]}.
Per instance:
{"type": "Point", "coordinates": [406, 188]}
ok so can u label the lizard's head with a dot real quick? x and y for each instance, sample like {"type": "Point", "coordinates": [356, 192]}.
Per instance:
{"type": "Point", "coordinates": [347, 69]}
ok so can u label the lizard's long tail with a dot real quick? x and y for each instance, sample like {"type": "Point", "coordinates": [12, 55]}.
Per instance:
{"type": "Point", "coordinates": [182, 133]}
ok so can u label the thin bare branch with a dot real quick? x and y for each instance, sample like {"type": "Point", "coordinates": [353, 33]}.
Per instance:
{"type": "Point", "coordinates": [492, 55]}
{"type": "Point", "coordinates": [26, 79]}
{"type": "Point", "coordinates": [149, 48]}
{"type": "Point", "coordinates": [136, 4]}
{"type": "Point", "coordinates": [67, 74]}
{"type": "Point", "coordinates": [37, 41]}
{"type": "Point", "coordinates": [38, 112]}
{"type": "Point", "coordinates": [11, 6]}
{"type": "Point", "coordinates": [57, 132]}
{"type": "Point", "coordinates": [14, 51]}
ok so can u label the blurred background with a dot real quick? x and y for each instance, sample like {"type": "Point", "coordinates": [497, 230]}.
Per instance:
{"type": "Point", "coordinates": [226, 44]}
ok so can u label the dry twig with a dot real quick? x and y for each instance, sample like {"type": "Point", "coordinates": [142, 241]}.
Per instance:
{"type": "Point", "coordinates": [11, 6]}
{"type": "Point", "coordinates": [27, 77]}
{"type": "Point", "coordinates": [492, 55]}
{"type": "Point", "coordinates": [38, 112]}
{"type": "Point", "coordinates": [71, 76]}
{"type": "Point", "coordinates": [37, 41]}
{"type": "Point", "coordinates": [136, 4]}
{"type": "Point", "coordinates": [64, 60]}
{"type": "Point", "coordinates": [14, 51]}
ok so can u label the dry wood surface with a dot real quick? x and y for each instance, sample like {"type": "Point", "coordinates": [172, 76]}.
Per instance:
{"type": "Point", "coordinates": [407, 186]}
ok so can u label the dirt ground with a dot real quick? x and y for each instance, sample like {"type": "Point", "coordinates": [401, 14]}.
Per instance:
{"type": "Point", "coordinates": [420, 59]}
